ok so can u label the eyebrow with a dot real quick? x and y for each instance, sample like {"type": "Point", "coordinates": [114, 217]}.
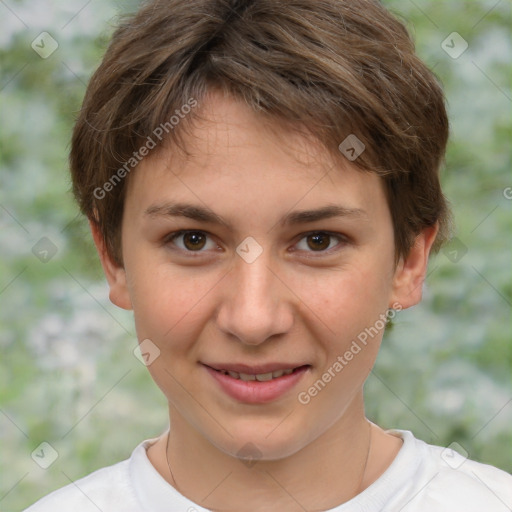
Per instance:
{"type": "Point", "coordinates": [204, 214]}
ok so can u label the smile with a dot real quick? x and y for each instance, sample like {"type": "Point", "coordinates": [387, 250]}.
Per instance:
{"type": "Point", "coordinates": [256, 385]}
{"type": "Point", "coordinates": [261, 377]}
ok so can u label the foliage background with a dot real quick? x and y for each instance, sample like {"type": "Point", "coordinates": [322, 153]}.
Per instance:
{"type": "Point", "coordinates": [68, 375]}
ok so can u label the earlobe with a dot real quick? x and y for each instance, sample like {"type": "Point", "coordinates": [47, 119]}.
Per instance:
{"type": "Point", "coordinates": [411, 270]}
{"type": "Point", "coordinates": [115, 274]}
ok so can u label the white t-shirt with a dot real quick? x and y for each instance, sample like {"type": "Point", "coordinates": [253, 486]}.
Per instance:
{"type": "Point", "coordinates": [422, 478]}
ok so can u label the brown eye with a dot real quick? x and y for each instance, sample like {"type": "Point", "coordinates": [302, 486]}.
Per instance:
{"type": "Point", "coordinates": [189, 241]}
{"type": "Point", "coordinates": [194, 240]}
{"type": "Point", "coordinates": [319, 241]}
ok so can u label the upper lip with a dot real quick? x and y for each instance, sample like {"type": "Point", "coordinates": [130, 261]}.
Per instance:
{"type": "Point", "coordinates": [253, 369]}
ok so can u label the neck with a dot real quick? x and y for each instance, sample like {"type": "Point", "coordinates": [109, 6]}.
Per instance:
{"type": "Point", "coordinates": [328, 471]}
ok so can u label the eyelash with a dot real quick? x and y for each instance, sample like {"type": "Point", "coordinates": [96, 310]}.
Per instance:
{"type": "Point", "coordinates": [343, 240]}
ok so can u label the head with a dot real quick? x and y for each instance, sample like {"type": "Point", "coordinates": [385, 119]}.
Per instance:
{"type": "Point", "coordinates": [244, 111]}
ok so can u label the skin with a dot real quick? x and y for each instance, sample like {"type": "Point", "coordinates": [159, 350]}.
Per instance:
{"type": "Point", "coordinates": [294, 304]}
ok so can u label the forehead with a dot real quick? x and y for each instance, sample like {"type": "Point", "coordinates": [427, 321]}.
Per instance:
{"type": "Point", "coordinates": [241, 159]}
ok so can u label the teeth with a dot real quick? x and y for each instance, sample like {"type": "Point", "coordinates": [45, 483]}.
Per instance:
{"type": "Point", "coordinates": [261, 377]}
{"type": "Point", "coordinates": [246, 376]}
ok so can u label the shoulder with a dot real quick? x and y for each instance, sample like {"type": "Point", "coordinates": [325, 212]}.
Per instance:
{"type": "Point", "coordinates": [447, 481]}
{"type": "Point", "coordinates": [106, 489]}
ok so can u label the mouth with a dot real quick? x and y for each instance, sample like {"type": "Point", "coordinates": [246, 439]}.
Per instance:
{"type": "Point", "coordinates": [257, 384]}
{"type": "Point", "coordinates": [261, 373]}
{"type": "Point", "coordinates": [260, 377]}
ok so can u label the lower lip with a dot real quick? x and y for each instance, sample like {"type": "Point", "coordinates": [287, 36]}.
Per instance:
{"type": "Point", "coordinates": [256, 392]}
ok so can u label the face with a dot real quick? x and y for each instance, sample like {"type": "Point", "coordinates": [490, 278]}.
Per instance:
{"type": "Point", "coordinates": [258, 309]}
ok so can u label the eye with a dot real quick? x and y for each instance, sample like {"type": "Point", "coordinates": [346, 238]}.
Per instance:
{"type": "Point", "coordinates": [192, 241]}
{"type": "Point", "coordinates": [320, 241]}
{"type": "Point", "coordinates": [195, 241]}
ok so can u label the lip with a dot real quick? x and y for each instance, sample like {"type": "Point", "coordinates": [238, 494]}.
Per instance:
{"type": "Point", "coordinates": [256, 392]}
{"type": "Point", "coordinates": [254, 369]}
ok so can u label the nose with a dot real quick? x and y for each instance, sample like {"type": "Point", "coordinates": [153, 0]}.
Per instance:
{"type": "Point", "coordinates": [257, 304]}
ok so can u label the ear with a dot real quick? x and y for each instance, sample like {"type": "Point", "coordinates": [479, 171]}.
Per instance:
{"type": "Point", "coordinates": [411, 270]}
{"type": "Point", "coordinates": [115, 274]}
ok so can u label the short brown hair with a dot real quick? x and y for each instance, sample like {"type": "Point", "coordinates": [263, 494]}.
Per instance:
{"type": "Point", "coordinates": [336, 67]}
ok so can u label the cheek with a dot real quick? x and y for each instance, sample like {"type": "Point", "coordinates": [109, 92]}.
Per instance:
{"type": "Point", "coordinates": [353, 306]}
{"type": "Point", "coordinates": [169, 304]}
{"type": "Point", "coordinates": [171, 309]}
{"type": "Point", "coordinates": [349, 301]}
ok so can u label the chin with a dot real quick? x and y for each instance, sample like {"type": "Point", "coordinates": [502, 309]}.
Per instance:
{"type": "Point", "coordinates": [255, 442]}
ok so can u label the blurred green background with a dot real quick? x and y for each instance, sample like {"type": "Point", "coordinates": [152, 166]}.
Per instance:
{"type": "Point", "coordinates": [68, 375]}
